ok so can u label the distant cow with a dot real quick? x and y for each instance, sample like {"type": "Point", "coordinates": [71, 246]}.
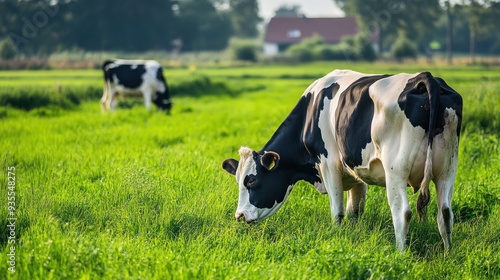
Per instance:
{"type": "Point", "coordinates": [135, 76]}
{"type": "Point", "coordinates": [349, 130]}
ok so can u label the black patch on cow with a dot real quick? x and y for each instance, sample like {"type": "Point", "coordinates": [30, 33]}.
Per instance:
{"type": "Point", "coordinates": [130, 76]}
{"type": "Point", "coordinates": [299, 143]}
{"type": "Point", "coordinates": [159, 75]}
{"type": "Point", "coordinates": [269, 187]}
{"type": "Point", "coordinates": [448, 98]}
{"type": "Point", "coordinates": [417, 102]}
{"type": "Point", "coordinates": [354, 117]}
{"type": "Point", "coordinates": [414, 101]}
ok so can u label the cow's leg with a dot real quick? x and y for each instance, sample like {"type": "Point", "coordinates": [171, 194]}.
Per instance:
{"type": "Point", "coordinates": [112, 100]}
{"type": "Point", "coordinates": [147, 93]}
{"type": "Point", "coordinates": [107, 96]}
{"type": "Point", "coordinates": [356, 198]}
{"type": "Point", "coordinates": [444, 191]}
{"type": "Point", "coordinates": [445, 163]}
{"type": "Point", "coordinates": [104, 97]}
{"type": "Point", "coordinates": [400, 208]}
{"type": "Point", "coordinates": [332, 181]}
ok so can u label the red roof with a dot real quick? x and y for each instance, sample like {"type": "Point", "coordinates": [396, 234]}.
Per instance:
{"type": "Point", "coordinates": [295, 29]}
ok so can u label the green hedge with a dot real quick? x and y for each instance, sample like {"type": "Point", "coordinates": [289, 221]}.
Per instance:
{"type": "Point", "coordinates": [351, 49]}
{"type": "Point", "coordinates": [68, 97]}
{"type": "Point", "coordinates": [404, 48]}
{"type": "Point", "coordinates": [28, 98]}
{"type": "Point", "coordinates": [244, 50]}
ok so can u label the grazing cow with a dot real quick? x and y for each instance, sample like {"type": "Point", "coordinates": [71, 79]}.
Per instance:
{"type": "Point", "coordinates": [135, 76]}
{"type": "Point", "coordinates": [351, 129]}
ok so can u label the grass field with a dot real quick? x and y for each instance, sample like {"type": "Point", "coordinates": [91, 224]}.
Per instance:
{"type": "Point", "coordinates": [142, 195]}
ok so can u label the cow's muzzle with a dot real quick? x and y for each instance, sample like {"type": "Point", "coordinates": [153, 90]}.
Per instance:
{"type": "Point", "coordinates": [240, 216]}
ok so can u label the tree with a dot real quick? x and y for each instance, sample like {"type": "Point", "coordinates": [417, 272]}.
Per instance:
{"type": "Point", "coordinates": [45, 26]}
{"type": "Point", "coordinates": [245, 17]}
{"type": "Point", "coordinates": [481, 17]}
{"type": "Point", "coordinates": [449, 32]}
{"type": "Point", "coordinates": [388, 17]}
{"type": "Point", "coordinates": [125, 25]}
{"type": "Point", "coordinates": [202, 27]}
{"type": "Point", "coordinates": [7, 49]}
{"type": "Point", "coordinates": [29, 24]}
{"type": "Point", "coordinates": [288, 11]}
{"type": "Point", "coordinates": [404, 48]}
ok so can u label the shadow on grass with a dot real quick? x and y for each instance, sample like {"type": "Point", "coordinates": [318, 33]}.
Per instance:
{"type": "Point", "coordinates": [186, 226]}
{"type": "Point", "coordinates": [12, 231]}
{"type": "Point", "coordinates": [75, 212]}
{"type": "Point", "coordinates": [169, 141]}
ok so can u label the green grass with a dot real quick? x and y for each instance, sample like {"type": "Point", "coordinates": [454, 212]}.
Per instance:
{"type": "Point", "coordinates": [141, 195]}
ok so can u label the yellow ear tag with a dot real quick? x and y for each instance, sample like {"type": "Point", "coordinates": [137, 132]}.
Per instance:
{"type": "Point", "coordinates": [271, 165]}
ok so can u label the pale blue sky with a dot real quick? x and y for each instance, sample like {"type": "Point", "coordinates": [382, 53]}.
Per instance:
{"type": "Point", "coordinates": [311, 8]}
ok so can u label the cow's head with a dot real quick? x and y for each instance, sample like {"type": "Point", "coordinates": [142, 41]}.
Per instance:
{"type": "Point", "coordinates": [264, 184]}
{"type": "Point", "coordinates": [163, 101]}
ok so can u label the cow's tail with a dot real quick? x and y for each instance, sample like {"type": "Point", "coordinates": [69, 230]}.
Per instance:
{"type": "Point", "coordinates": [433, 92]}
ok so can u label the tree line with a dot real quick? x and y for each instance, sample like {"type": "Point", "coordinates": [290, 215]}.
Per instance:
{"type": "Point", "coordinates": [458, 26]}
{"type": "Point", "coordinates": [46, 26]}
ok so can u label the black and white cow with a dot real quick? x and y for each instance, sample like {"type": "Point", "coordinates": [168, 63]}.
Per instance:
{"type": "Point", "coordinates": [351, 129]}
{"type": "Point", "coordinates": [135, 76]}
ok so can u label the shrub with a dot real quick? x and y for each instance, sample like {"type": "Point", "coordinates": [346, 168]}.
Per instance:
{"type": "Point", "coordinates": [200, 85]}
{"type": "Point", "coordinates": [364, 49]}
{"type": "Point", "coordinates": [300, 53]}
{"type": "Point", "coordinates": [7, 49]}
{"type": "Point", "coordinates": [68, 97]}
{"type": "Point", "coordinates": [303, 51]}
{"type": "Point", "coordinates": [404, 48]}
{"type": "Point", "coordinates": [351, 48]}
{"type": "Point", "coordinates": [246, 53]}
{"type": "Point", "coordinates": [27, 98]}
{"type": "Point", "coordinates": [358, 48]}
{"type": "Point", "coordinates": [326, 52]}
{"type": "Point", "coordinates": [65, 97]}
{"type": "Point", "coordinates": [244, 50]}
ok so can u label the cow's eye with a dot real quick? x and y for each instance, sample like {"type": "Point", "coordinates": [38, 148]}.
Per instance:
{"type": "Point", "coordinates": [250, 182]}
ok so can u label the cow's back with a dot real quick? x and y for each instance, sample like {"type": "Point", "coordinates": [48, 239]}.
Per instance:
{"type": "Point", "coordinates": [377, 118]}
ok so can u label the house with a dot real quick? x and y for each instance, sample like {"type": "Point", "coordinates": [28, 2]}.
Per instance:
{"type": "Point", "coordinates": [282, 32]}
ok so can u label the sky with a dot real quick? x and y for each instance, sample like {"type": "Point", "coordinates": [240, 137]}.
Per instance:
{"type": "Point", "coordinates": [311, 8]}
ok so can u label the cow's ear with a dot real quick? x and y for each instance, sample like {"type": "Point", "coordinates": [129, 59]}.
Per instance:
{"type": "Point", "coordinates": [230, 165]}
{"type": "Point", "coordinates": [270, 160]}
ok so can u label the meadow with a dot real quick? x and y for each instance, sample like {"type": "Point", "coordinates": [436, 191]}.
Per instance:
{"type": "Point", "coordinates": [141, 195]}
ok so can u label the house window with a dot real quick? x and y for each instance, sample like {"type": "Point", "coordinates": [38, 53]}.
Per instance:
{"type": "Point", "coordinates": [294, 33]}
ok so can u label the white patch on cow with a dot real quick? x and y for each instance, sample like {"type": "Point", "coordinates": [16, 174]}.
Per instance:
{"type": "Point", "coordinates": [343, 77]}
{"type": "Point", "coordinates": [320, 186]}
{"type": "Point", "coordinates": [371, 171]}
{"type": "Point", "coordinates": [133, 66]}
{"type": "Point", "coordinates": [445, 145]}
{"type": "Point", "coordinates": [247, 166]}
{"type": "Point", "coordinates": [398, 146]}
{"type": "Point", "coordinates": [385, 92]}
